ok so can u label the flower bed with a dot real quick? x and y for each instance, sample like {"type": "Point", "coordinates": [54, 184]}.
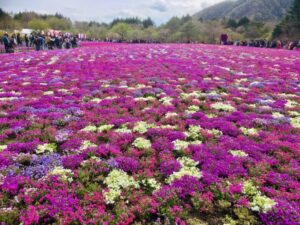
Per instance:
{"type": "Point", "coordinates": [150, 134]}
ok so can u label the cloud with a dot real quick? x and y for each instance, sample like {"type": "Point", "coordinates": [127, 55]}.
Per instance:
{"type": "Point", "coordinates": [159, 6]}
{"type": "Point", "coordinates": [105, 11]}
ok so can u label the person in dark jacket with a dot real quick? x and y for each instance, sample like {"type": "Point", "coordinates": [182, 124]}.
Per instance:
{"type": "Point", "coordinates": [6, 42]}
{"type": "Point", "coordinates": [26, 40]}
{"type": "Point", "coordinates": [38, 43]}
{"type": "Point", "coordinates": [19, 39]}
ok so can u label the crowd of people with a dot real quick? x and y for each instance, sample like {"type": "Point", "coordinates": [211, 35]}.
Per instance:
{"type": "Point", "coordinates": [39, 41]}
{"type": "Point", "coordinates": [49, 41]}
{"type": "Point", "coordinates": [278, 44]}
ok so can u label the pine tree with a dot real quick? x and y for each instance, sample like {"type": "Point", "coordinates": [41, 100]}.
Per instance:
{"type": "Point", "coordinates": [294, 13]}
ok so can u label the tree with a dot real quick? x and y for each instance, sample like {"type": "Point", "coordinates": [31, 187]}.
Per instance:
{"type": "Point", "coordinates": [148, 23]}
{"type": "Point", "coordinates": [289, 27]}
{"type": "Point", "coordinates": [243, 21]}
{"type": "Point", "coordinates": [121, 29]}
{"type": "Point", "coordinates": [38, 24]}
{"type": "Point", "coordinates": [232, 23]}
{"type": "Point", "coordinates": [59, 23]}
{"type": "Point", "coordinates": [189, 31]}
{"type": "Point", "coordinates": [294, 13]}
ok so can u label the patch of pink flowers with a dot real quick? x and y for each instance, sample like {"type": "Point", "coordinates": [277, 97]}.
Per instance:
{"type": "Point", "coordinates": [150, 134]}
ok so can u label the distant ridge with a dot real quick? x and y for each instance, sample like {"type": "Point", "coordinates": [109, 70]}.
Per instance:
{"type": "Point", "coordinates": [259, 10]}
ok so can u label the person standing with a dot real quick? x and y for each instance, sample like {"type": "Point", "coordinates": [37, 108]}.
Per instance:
{"type": "Point", "coordinates": [6, 42]}
{"type": "Point", "coordinates": [19, 39]}
{"type": "Point", "coordinates": [38, 43]}
{"type": "Point", "coordinates": [26, 40]}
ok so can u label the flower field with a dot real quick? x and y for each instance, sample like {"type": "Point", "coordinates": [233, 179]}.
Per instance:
{"type": "Point", "coordinates": [150, 134]}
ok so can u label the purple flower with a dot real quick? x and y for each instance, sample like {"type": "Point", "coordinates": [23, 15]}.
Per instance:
{"type": "Point", "coordinates": [169, 167]}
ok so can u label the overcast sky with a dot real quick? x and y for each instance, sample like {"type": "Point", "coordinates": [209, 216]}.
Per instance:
{"type": "Point", "coordinates": [106, 10]}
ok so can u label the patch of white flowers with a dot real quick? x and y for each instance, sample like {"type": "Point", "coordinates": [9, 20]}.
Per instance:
{"type": "Point", "coordinates": [259, 202]}
{"type": "Point", "coordinates": [96, 100]}
{"type": "Point", "coordinates": [188, 95]}
{"type": "Point", "coordinates": [291, 104]}
{"type": "Point", "coordinates": [151, 183]}
{"type": "Point", "coordinates": [105, 128]}
{"type": "Point", "coordinates": [249, 131]}
{"type": "Point", "coordinates": [277, 115]}
{"type": "Point", "coordinates": [48, 93]}
{"type": "Point", "coordinates": [2, 147]}
{"type": "Point", "coordinates": [116, 181]}
{"type": "Point", "coordinates": [65, 174]}
{"type": "Point", "coordinates": [142, 143]}
{"type": "Point", "coordinates": [166, 100]}
{"type": "Point", "coordinates": [148, 98]}
{"type": "Point", "coordinates": [238, 153]}
{"type": "Point", "coordinates": [215, 132]}
{"type": "Point", "coordinates": [45, 148]}
{"type": "Point", "coordinates": [223, 107]}
{"type": "Point", "coordinates": [295, 122]}
{"type": "Point", "coordinates": [90, 128]}
{"type": "Point", "coordinates": [123, 130]}
{"type": "Point", "coordinates": [87, 144]}
{"type": "Point", "coordinates": [194, 132]}
{"type": "Point", "coordinates": [142, 127]}
{"type": "Point", "coordinates": [188, 168]}
{"type": "Point", "coordinates": [180, 145]}
{"type": "Point", "coordinates": [171, 114]}
{"type": "Point", "coordinates": [192, 109]}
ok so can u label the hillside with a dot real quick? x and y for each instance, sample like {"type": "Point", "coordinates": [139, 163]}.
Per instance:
{"type": "Point", "coordinates": [260, 10]}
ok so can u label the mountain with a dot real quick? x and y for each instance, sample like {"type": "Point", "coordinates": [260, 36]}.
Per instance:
{"type": "Point", "coordinates": [259, 10]}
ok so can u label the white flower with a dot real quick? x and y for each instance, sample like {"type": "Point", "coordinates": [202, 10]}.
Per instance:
{"type": "Point", "coordinates": [48, 93]}
{"type": "Point", "coordinates": [194, 132]}
{"type": "Point", "coordinates": [2, 147]}
{"type": "Point", "coordinates": [262, 203]}
{"type": "Point", "coordinates": [277, 115]}
{"type": "Point", "coordinates": [105, 128]}
{"type": "Point", "coordinates": [291, 104]}
{"type": "Point", "coordinates": [116, 181]}
{"type": "Point", "coordinates": [90, 128]}
{"type": "Point", "coordinates": [238, 153]}
{"type": "Point", "coordinates": [123, 130]}
{"type": "Point", "coordinates": [295, 122]}
{"type": "Point", "coordinates": [192, 109]}
{"type": "Point", "coordinates": [188, 168]}
{"type": "Point", "coordinates": [151, 183]}
{"type": "Point", "coordinates": [142, 143]}
{"type": "Point", "coordinates": [249, 132]}
{"type": "Point", "coordinates": [45, 148]}
{"type": "Point", "coordinates": [142, 127]}
{"type": "Point", "coordinates": [171, 114]}
{"type": "Point", "coordinates": [215, 132]}
{"type": "Point", "coordinates": [223, 107]}
{"type": "Point", "coordinates": [96, 100]}
{"type": "Point", "coordinates": [166, 100]}
{"type": "Point", "coordinates": [65, 174]}
{"type": "Point", "coordinates": [259, 202]}
{"type": "Point", "coordinates": [87, 144]}
{"type": "Point", "coordinates": [249, 188]}
{"type": "Point", "coordinates": [180, 145]}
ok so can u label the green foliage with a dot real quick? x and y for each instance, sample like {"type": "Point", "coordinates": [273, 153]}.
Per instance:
{"type": "Point", "coordinates": [232, 23]}
{"type": "Point", "coordinates": [38, 24]}
{"type": "Point", "coordinates": [9, 216]}
{"type": "Point", "coordinates": [243, 22]}
{"type": "Point", "coordinates": [289, 27]}
{"type": "Point", "coordinates": [148, 23]}
{"type": "Point", "coordinates": [59, 24]}
{"type": "Point", "coordinates": [122, 29]}
{"type": "Point", "coordinates": [277, 31]}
